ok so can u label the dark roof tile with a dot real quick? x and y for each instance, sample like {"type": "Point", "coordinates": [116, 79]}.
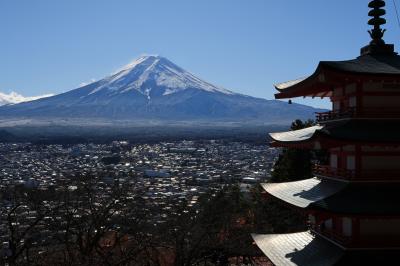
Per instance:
{"type": "Point", "coordinates": [298, 249]}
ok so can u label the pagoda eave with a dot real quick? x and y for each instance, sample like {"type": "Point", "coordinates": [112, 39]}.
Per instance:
{"type": "Point", "coordinates": [326, 142]}
{"type": "Point", "coordinates": [329, 75]}
{"type": "Point", "coordinates": [315, 210]}
{"type": "Point", "coordinates": [311, 248]}
{"type": "Point", "coordinates": [313, 86]}
{"type": "Point", "coordinates": [316, 143]}
{"type": "Point", "coordinates": [360, 132]}
{"type": "Point", "coordinates": [363, 199]}
{"type": "Point", "coordinates": [296, 136]}
{"type": "Point", "coordinates": [303, 248]}
{"type": "Point", "coordinates": [341, 198]}
{"type": "Point", "coordinates": [295, 145]}
{"type": "Point", "coordinates": [303, 193]}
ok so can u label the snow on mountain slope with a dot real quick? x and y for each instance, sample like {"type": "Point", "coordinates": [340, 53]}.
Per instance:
{"type": "Point", "coordinates": [162, 72]}
{"type": "Point", "coordinates": [13, 98]}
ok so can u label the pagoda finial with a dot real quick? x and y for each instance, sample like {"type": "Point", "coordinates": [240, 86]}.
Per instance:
{"type": "Point", "coordinates": [376, 13]}
{"type": "Point", "coordinates": [377, 44]}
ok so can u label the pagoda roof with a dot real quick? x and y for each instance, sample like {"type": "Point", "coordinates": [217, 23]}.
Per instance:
{"type": "Point", "coordinates": [339, 197]}
{"type": "Point", "coordinates": [284, 85]}
{"type": "Point", "coordinates": [300, 135]}
{"type": "Point", "coordinates": [364, 199]}
{"type": "Point", "coordinates": [305, 192]}
{"type": "Point", "coordinates": [331, 73]}
{"type": "Point", "coordinates": [298, 249]}
{"type": "Point", "coordinates": [367, 64]}
{"type": "Point", "coordinates": [361, 130]}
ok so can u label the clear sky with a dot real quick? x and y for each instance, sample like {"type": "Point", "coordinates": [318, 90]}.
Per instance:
{"type": "Point", "coordinates": [52, 46]}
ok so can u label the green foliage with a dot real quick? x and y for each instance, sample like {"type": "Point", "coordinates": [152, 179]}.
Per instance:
{"type": "Point", "coordinates": [294, 164]}
{"type": "Point", "coordinates": [298, 124]}
{"type": "Point", "coordinates": [271, 216]}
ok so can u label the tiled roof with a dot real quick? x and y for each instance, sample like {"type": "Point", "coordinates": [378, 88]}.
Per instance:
{"type": "Point", "coordinates": [295, 135]}
{"type": "Point", "coordinates": [374, 65]}
{"type": "Point", "coordinates": [339, 197]}
{"type": "Point", "coordinates": [359, 130]}
{"type": "Point", "coordinates": [305, 192]}
{"type": "Point", "coordinates": [284, 85]}
{"type": "Point", "coordinates": [364, 199]}
{"type": "Point", "coordinates": [298, 249]}
{"type": "Point", "coordinates": [368, 64]}
{"type": "Point", "coordinates": [365, 130]}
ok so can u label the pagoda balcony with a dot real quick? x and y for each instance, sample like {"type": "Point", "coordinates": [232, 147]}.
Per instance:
{"type": "Point", "coordinates": [378, 112]}
{"type": "Point", "coordinates": [333, 235]}
{"type": "Point", "coordinates": [353, 175]}
{"type": "Point", "coordinates": [381, 112]}
{"type": "Point", "coordinates": [334, 115]}
{"type": "Point", "coordinates": [359, 241]}
{"type": "Point", "coordinates": [328, 171]}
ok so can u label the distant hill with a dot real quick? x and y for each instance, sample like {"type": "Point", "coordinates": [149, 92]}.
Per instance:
{"type": "Point", "coordinates": [153, 88]}
{"type": "Point", "coordinates": [13, 98]}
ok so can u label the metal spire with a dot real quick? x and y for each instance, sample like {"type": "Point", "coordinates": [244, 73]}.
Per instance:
{"type": "Point", "coordinates": [377, 45]}
{"type": "Point", "coordinates": [376, 13]}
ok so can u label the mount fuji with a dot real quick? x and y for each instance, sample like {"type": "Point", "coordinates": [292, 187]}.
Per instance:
{"type": "Point", "coordinates": [154, 88]}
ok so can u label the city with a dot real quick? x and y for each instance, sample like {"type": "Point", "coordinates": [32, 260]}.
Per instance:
{"type": "Point", "coordinates": [163, 177]}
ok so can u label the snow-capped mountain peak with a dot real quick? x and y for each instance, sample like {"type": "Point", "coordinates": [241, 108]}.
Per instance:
{"type": "Point", "coordinates": [153, 72]}
{"type": "Point", "coordinates": [138, 61]}
{"type": "Point", "coordinates": [14, 97]}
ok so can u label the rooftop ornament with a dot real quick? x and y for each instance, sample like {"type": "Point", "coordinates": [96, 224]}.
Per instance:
{"type": "Point", "coordinates": [377, 44]}
{"type": "Point", "coordinates": [377, 12]}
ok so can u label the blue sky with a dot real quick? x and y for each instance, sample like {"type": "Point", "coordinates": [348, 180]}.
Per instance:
{"type": "Point", "coordinates": [50, 46]}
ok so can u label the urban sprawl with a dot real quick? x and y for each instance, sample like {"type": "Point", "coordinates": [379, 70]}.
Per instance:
{"type": "Point", "coordinates": [164, 175]}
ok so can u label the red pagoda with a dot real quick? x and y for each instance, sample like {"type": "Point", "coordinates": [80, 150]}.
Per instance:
{"type": "Point", "coordinates": [353, 203]}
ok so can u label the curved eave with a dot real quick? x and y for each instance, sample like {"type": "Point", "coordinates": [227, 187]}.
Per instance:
{"type": "Point", "coordinates": [305, 192]}
{"type": "Point", "coordinates": [330, 74]}
{"type": "Point", "coordinates": [363, 199]}
{"type": "Point", "coordinates": [298, 249]}
{"type": "Point", "coordinates": [296, 136]}
{"type": "Point", "coordinates": [363, 131]}
{"type": "Point", "coordinates": [314, 86]}
{"type": "Point", "coordinates": [293, 145]}
{"type": "Point", "coordinates": [323, 141]}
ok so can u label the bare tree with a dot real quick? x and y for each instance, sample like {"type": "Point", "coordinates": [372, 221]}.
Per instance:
{"type": "Point", "coordinates": [23, 214]}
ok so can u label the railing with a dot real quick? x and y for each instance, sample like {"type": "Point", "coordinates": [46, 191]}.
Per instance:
{"type": "Point", "coordinates": [362, 175]}
{"type": "Point", "coordinates": [378, 112]}
{"type": "Point", "coordinates": [326, 170]}
{"type": "Point", "coordinates": [337, 114]}
{"type": "Point", "coordinates": [385, 241]}
{"type": "Point", "coordinates": [331, 234]}
{"type": "Point", "coordinates": [369, 241]}
{"type": "Point", "coordinates": [352, 112]}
